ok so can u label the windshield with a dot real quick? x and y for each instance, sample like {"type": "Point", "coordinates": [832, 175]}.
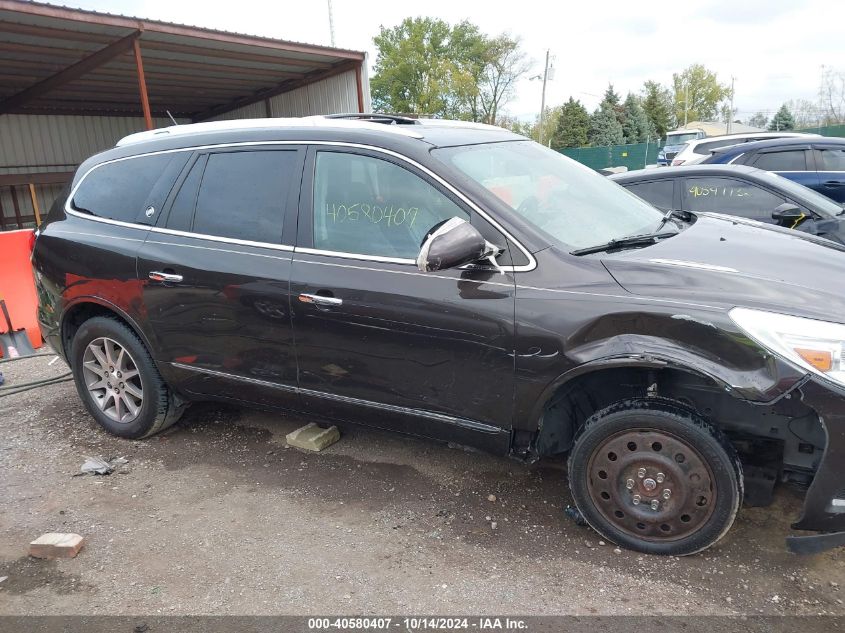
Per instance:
{"type": "Point", "coordinates": [572, 204]}
{"type": "Point", "coordinates": [805, 194]}
{"type": "Point", "coordinates": [678, 139]}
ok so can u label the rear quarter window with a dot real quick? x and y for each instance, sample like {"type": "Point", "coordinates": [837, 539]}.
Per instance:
{"type": "Point", "coordinates": [787, 160]}
{"type": "Point", "coordinates": [119, 190]}
{"type": "Point", "coordinates": [657, 192]}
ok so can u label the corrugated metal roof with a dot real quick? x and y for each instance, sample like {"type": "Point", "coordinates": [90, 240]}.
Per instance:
{"type": "Point", "coordinates": [191, 71]}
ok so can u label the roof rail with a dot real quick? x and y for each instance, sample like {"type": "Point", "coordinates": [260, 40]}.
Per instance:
{"type": "Point", "coordinates": [377, 117]}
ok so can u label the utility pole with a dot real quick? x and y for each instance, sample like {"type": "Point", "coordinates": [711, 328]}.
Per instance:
{"type": "Point", "coordinates": [543, 98]}
{"type": "Point", "coordinates": [731, 111]}
{"type": "Point", "coordinates": [331, 21]}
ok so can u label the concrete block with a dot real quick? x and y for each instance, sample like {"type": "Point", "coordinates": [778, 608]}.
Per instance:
{"type": "Point", "coordinates": [312, 437]}
{"type": "Point", "coordinates": [56, 545]}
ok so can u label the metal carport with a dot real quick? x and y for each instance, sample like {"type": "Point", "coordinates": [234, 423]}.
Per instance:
{"type": "Point", "coordinates": [72, 82]}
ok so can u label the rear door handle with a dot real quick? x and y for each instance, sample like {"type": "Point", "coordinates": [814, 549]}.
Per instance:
{"type": "Point", "coordinates": [833, 183]}
{"type": "Point", "coordinates": [169, 278]}
{"type": "Point", "coordinates": [320, 300]}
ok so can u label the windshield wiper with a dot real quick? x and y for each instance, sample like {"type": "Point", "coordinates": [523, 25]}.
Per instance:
{"type": "Point", "coordinates": [683, 216]}
{"type": "Point", "coordinates": [624, 242]}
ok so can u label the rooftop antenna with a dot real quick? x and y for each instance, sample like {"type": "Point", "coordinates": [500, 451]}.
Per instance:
{"type": "Point", "coordinates": [175, 122]}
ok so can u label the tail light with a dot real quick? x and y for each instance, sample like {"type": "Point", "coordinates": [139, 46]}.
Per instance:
{"type": "Point", "coordinates": [677, 162]}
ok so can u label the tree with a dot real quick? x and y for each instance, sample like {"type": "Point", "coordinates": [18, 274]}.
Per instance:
{"type": "Point", "coordinates": [516, 126]}
{"type": "Point", "coordinates": [698, 94]}
{"type": "Point", "coordinates": [805, 113]}
{"type": "Point", "coordinates": [424, 66]}
{"type": "Point", "coordinates": [758, 120]}
{"type": "Point", "coordinates": [782, 120]}
{"type": "Point", "coordinates": [658, 107]}
{"type": "Point", "coordinates": [572, 125]}
{"type": "Point", "coordinates": [504, 64]}
{"type": "Point", "coordinates": [635, 124]}
{"type": "Point", "coordinates": [605, 129]}
{"type": "Point", "coordinates": [832, 97]}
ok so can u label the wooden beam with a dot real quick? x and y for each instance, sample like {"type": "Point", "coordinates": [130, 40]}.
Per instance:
{"type": "Point", "coordinates": [2, 216]}
{"type": "Point", "coordinates": [35, 207]}
{"type": "Point", "coordinates": [70, 73]}
{"type": "Point", "coordinates": [142, 85]}
{"type": "Point", "coordinates": [17, 207]}
{"type": "Point", "coordinates": [285, 86]}
{"type": "Point", "coordinates": [37, 178]}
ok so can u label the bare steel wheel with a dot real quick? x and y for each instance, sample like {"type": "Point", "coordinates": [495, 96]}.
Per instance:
{"type": "Point", "coordinates": [651, 485]}
{"type": "Point", "coordinates": [653, 476]}
{"type": "Point", "coordinates": [113, 380]}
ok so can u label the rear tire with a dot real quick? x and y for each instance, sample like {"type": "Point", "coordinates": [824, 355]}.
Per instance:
{"type": "Point", "coordinates": [654, 477]}
{"type": "Point", "coordinates": [118, 382]}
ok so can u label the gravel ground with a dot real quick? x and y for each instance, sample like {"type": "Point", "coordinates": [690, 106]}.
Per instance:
{"type": "Point", "coordinates": [216, 516]}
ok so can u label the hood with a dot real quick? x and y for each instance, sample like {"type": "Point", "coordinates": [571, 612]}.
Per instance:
{"type": "Point", "coordinates": [728, 262]}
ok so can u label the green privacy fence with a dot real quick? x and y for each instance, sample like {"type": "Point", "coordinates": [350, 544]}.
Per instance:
{"type": "Point", "coordinates": [633, 156]}
{"type": "Point", "coordinates": [638, 155]}
{"type": "Point", "coordinates": [826, 130]}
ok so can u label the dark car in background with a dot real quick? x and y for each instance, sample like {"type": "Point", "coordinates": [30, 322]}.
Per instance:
{"type": "Point", "coordinates": [458, 282]}
{"type": "Point", "coordinates": [817, 163]}
{"type": "Point", "coordinates": [742, 191]}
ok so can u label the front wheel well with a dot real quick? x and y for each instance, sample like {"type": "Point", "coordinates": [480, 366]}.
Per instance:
{"type": "Point", "coordinates": [788, 431]}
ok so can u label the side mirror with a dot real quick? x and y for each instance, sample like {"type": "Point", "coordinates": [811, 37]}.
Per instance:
{"type": "Point", "coordinates": [451, 244]}
{"type": "Point", "coordinates": [788, 213]}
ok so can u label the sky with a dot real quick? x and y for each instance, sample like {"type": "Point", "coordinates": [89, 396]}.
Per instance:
{"type": "Point", "coordinates": [774, 49]}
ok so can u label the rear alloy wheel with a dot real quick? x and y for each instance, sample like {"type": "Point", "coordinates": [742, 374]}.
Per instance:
{"type": "Point", "coordinates": [118, 381]}
{"type": "Point", "coordinates": [651, 476]}
{"type": "Point", "coordinates": [113, 380]}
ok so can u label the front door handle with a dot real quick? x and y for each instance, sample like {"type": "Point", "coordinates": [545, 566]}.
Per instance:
{"type": "Point", "coordinates": [320, 300]}
{"type": "Point", "coordinates": [169, 278]}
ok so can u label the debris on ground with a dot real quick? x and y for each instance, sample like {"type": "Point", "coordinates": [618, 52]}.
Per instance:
{"type": "Point", "coordinates": [100, 466]}
{"type": "Point", "coordinates": [56, 545]}
{"type": "Point", "coordinates": [491, 498]}
{"type": "Point", "coordinates": [3, 579]}
{"type": "Point", "coordinates": [575, 514]}
{"type": "Point", "coordinates": [312, 437]}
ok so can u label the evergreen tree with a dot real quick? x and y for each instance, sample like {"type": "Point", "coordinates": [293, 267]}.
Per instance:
{"type": "Point", "coordinates": [635, 124]}
{"type": "Point", "coordinates": [605, 129]}
{"type": "Point", "coordinates": [573, 125]}
{"type": "Point", "coordinates": [783, 120]}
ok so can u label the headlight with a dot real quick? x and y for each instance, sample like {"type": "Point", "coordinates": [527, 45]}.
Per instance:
{"type": "Point", "coordinates": [817, 346]}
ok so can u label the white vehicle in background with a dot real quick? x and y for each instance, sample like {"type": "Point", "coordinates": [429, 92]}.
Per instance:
{"type": "Point", "coordinates": [696, 150]}
{"type": "Point", "coordinates": [674, 143]}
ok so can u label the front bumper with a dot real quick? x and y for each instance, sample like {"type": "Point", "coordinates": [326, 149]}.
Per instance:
{"type": "Point", "coordinates": [824, 504]}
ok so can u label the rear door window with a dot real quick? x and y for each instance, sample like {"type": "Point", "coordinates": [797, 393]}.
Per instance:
{"type": "Point", "coordinates": [731, 196]}
{"type": "Point", "coordinates": [121, 189]}
{"type": "Point", "coordinates": [237, 195]}
{"type": "Point", "coordinates": [657, 192]}
{"type": "Point", "coordinates": [790, 160]}
{"type": "Point", "coordinates": [832, 159]}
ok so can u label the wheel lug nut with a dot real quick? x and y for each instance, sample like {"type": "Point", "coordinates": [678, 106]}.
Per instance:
{"type": "Point", "coordinates": [641, 473]}
{"type": "Point", "coordinates": [667, 493]}
{"type": "Point", "coordinates": [119, 375]}
{"type": "Point", "coordinates": [660, 476]}
{"type": "Point", "coordinates": [655, 504]}
{"type": "Point", "coordinates": [122, 385]}
{"type": "Point", "coordinates": [636, 500]}
{"type": "Point", "coordinates": [629, 484]}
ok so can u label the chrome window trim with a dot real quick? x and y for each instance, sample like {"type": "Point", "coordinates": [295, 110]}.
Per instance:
{"type": "Point", "coordinates": [431, 415]}
{"type": "Point", "coordinates": [531, 265]}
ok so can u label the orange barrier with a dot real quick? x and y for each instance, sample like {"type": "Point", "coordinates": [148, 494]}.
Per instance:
{"type": "Point", "coordinates": [17, 285]}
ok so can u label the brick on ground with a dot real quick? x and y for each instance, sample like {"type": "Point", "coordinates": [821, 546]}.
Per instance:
{"type": "Point", "coordinates": [312, 437]}
{"type": "Point", "coordinates": [56, 545]}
